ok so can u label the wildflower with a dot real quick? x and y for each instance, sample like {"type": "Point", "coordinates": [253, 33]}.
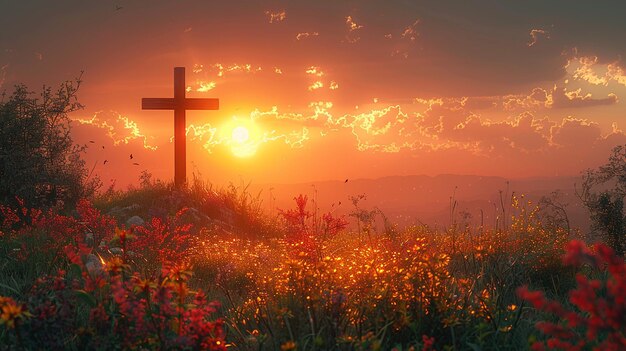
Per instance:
{"type": "Point", "coordinates": [600, 317]}
{"type": "Point", "coordinates": [288, 346]}
{"type": "Point", "coordinates": [115, 266]}
{"type": "Point", "coordinates": [429, 343]}
{"type": "Point", "coordinates": [10, 312]}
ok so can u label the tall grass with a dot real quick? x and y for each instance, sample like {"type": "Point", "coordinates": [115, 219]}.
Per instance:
{"type": "Point", "coordinates": [301, 280]}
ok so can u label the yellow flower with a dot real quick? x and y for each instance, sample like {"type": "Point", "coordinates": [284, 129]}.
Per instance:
{"type": "Point", "coordinates": [10, 312]}
{"type": "Point", "coordinates": [115, 265]}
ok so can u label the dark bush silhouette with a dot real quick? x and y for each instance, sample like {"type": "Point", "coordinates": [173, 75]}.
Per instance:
{"type": "Point", "coordinates": [39, 163]}
{"type": "Point", "coordinates": [603, 192]}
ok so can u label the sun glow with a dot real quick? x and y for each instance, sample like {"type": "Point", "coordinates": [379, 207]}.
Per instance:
{"type": "Point", "coordinates": [243, 137]}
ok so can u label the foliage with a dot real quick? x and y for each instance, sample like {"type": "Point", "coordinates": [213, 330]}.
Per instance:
{"type": "Point", "coordinates": [94, 298]}
{"type": "Point", "coordinates": [38, 160]}
{"type": "Point", "coordinates": [85, 282]}
{"type": "Point", "coordinates": [597, 318]}
{"type": "Point", "coordinates": [107, 309]}
{"type": "Point", "coordinates": [232, 208]}
{"type": "Point", "coordinates": [384, 292]}
{"type": "Point", "coordinates": [162, 241]}
{"type": "Point", "coordinates": [603, 191]}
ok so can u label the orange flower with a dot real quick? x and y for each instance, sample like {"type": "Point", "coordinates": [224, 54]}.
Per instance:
{"type": "Point", "coordinates": [288, 346]}
{"type": "Point", "coordinates": [10, 311]}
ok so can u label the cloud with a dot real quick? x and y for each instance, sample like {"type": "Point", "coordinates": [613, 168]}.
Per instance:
{"type": "Point", "coordinates": [314, 70]}
{"type": "Point", "coordinates": [400, 53]}
{"type": "Point", "coordinates": [353, 28]}
{"type": "Point", "coordinates": [479, 102]}
{"type": "Point", "coordinates": [306, 35]}
{"type": "Point", "coordinates": [276, 16]}
{"type": "Point", "coordinates": [205, 86]}
{"type": "Point", "coordinates": [588, 68]}
{"type": "Point", "coordinates": [537, 99]}
{"type": "Point", "coordinates": [212, 137]}
{"type": "Point", "coordinates": [522, 133]}
{"type": "Point", "coordinates": [575, 133]}
{"type": "Point", "coordinates": [316, 85]}
{"type": "Point", "coordinates": [410, 31]}
{"type": "Point", "coordinates": [218, 71]}
{"type": "Point", "coordinates": [561, 98]}
{"type": "Point", "coordinates": [352, 25]}
{"type": "Point", "coordinates": [449, 126]}
{"type": "Point", "coordinates": [536, 35]}
{"type": "Point", "coordinates": [197, 68]}
{"type": "Point", "coordinates": [120, 129]}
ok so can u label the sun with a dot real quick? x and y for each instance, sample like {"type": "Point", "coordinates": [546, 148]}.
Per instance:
{"type": "Point", "coordinates": [242, 136]}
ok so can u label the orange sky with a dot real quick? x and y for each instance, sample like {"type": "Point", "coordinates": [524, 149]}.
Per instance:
{"type": "Point", "coordinates": [332, 90]}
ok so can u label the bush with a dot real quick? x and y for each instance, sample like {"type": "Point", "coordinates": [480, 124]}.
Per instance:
{"type": "Point", "coordinates": [597, 316]}
{"type": "Point", "coordinates": [39, 162]}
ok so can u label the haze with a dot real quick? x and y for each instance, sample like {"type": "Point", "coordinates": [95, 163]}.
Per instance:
{"type": "Point", "coordinates": [333, 90]}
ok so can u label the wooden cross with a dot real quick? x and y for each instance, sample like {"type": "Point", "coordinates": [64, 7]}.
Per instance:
{"type": "Point", "coordinates": [179, 104]}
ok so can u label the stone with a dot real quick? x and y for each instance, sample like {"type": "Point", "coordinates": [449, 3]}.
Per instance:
{"type": "Point", "coordinates": [94, 264]}
{"type": "Point", "coordinates": [135, 221]}
{"type": "Point", "coordinates": [89, 240]}
{"type": "Point", "coordinates": [119, 212]}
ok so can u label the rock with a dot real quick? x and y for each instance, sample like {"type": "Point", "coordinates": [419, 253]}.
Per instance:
{"type": "Point", "coordinates": [117, 251]}
{"type": "Point", "coordinates": [118, 211]}
{"type": "Point", "coordinates": [135, 221]}
{"type": "Point", "coordinates": [198, 216]}
{"type": "Point", "coordinates": [94, 265]}
{"type": "Point", "coordinates": [89, 239]}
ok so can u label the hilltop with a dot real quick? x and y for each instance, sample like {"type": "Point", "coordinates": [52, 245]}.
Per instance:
{"type": "Point", "coordinates": [412, 199]}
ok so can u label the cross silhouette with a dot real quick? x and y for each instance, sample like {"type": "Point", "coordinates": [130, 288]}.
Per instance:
{"type": "Point", "coordinates": [180, 104]}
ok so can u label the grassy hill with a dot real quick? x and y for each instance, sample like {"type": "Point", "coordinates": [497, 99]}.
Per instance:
{"type": "Point", "coordinates": [202, 268]}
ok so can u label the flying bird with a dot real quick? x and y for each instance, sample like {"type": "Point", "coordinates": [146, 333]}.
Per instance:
{"type": "Point", "coordinates": [131, 156]}
{"type": "Point", "coordinates": [118, 7]}
{"type": "Point", "coordinates": [105, 161]}
{"type": "Point", "coordinates": [136, 164]}
{"type": "Point", "coordinates": [346, 180]}
{"type": "Point", "coordinates": [102, 147]}
{"type": "Point", "coordinates": [91, 141]}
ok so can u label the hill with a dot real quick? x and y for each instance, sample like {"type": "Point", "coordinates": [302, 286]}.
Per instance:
{"type": "Point", "coordinates": [414, 199]}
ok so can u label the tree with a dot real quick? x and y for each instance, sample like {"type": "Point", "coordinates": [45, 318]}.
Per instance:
{"type": "Point", "coordinates": [553, 212]}
{"type": "Point", "coordinates": [603, 191]}
{"type": "Point", "coordinates": [39, 162]}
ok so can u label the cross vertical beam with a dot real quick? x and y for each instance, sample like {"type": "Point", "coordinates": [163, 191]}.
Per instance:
{"type": "Point", "coordinates": [180, 126]}
{"type": "Point", "coordinates": [180, 104]}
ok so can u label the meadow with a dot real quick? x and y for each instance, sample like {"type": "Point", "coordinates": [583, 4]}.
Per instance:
{"type": "Point", "coordinates": [207, 269]}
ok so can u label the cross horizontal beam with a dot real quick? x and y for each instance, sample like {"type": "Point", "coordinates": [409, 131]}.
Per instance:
{"type": "Point", "coordinates": [188, 104]}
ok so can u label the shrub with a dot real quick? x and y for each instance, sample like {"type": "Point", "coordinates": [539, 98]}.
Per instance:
{"type": "Point", "coordinates": [38, 160]}
{"type": "Point", "coordinates": [597, 316]}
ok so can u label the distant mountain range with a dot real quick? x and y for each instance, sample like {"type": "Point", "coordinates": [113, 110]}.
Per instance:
{"type": "Point", "coordinates": [420, 199]}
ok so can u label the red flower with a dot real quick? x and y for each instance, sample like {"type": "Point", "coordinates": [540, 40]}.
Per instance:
{"type": "Point", "coordinates": [600, 304]}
